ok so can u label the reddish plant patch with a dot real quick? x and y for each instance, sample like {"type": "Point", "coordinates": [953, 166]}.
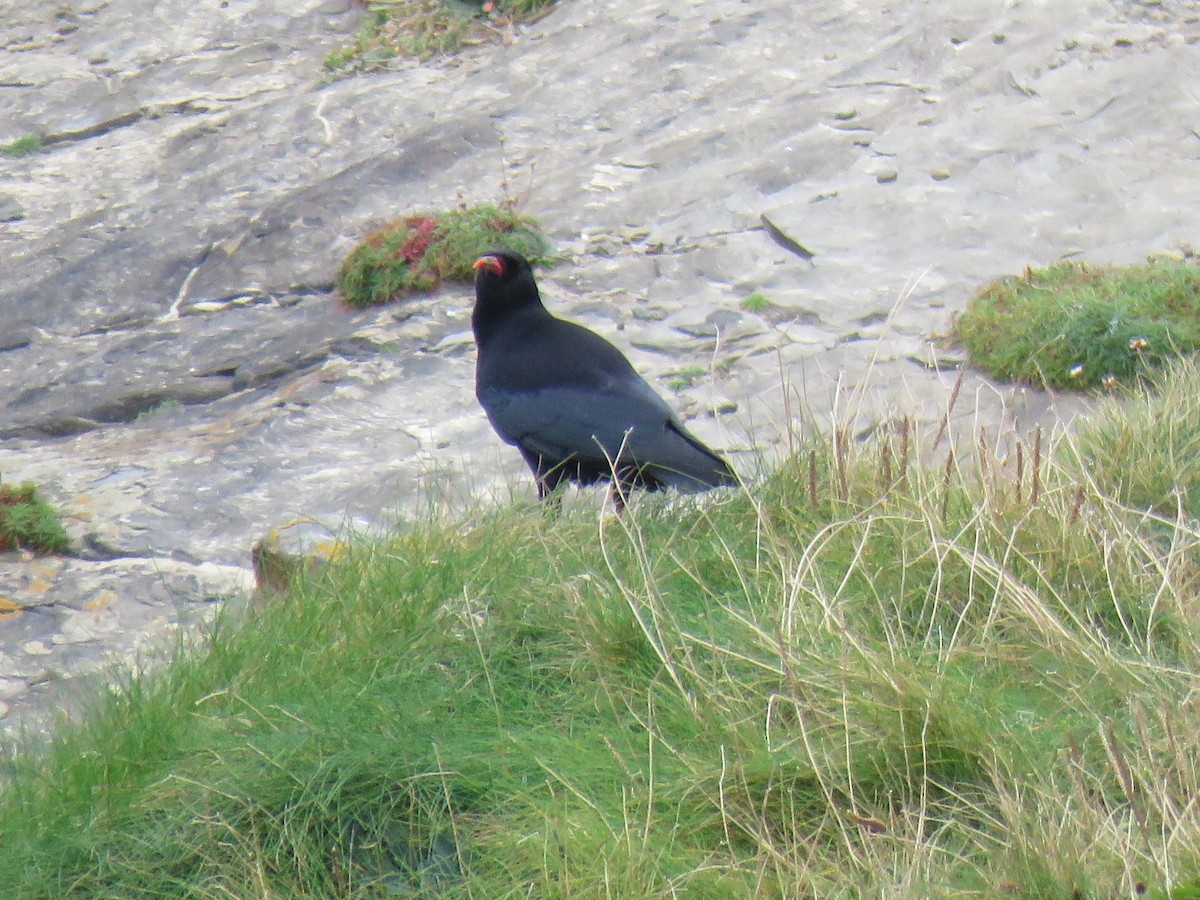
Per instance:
{"type": "Point", "coordinates": [420, 251]}
{"type": "Point", "coordinates": [420, 235]}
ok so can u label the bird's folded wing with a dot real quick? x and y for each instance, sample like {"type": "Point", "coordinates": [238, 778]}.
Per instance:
{"type": "Point", "coordinates": [632, 423]}
{"type": "Point", "coordinates": [564, 421]}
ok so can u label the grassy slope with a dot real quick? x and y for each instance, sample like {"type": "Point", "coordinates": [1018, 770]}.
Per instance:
{"type": "Point", "coordinates": [862, 679]}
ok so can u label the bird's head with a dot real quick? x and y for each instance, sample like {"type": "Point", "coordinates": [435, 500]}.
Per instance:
{"type": "Point", "coordinates": [504, 265]}
{"type": "Point", "coordinates": [489, 264]}
{"type": "Point", "coordinates": [504, 283]}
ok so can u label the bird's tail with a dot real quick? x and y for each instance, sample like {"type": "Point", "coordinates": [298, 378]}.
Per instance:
{"type": "Point", "coordinates": [696, 469]}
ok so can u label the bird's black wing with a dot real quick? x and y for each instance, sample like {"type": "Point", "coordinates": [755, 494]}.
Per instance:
{"type": "Point", "coordinates": [616, 416]}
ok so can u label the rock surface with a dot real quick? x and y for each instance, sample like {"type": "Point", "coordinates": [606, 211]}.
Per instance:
{"type": "Point", "coordinates": [178, 377]}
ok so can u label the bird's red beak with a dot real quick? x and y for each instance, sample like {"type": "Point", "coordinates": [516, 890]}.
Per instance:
{"type": "Point", "coordinates": [491, 263]}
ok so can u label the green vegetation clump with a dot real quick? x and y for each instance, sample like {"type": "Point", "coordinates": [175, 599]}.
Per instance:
{"type": "Point", "coordinates": [1077, 326]}
{"type": "Point", "coordinates": [27, 522]}
{"type": "Point", "coordinates": [419, 252]}
{"type": "Point", "coordinates": [162, 406]}
{"type": "Point", "coordinates": [756, 302]}
{"type": "Point", "coordinates": [686, 377]}
{"type": "Point", "coordinates": [425, 28]}
{"type": "Point", "coordinates": [869, 677]}
{"type": "Point", "coordinates": [25, 145]}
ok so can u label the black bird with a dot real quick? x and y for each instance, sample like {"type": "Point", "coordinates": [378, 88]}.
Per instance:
{"type": "Point", "coordinates": [570, 401]}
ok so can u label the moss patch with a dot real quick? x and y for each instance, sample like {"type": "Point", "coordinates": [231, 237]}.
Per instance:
{"type": "Point", "coordinates": [420, 251]}
{"type": "Point", "coordinates": [756, 302]}
{"type": "Point", "coordinates": [396, 29]}
{"type": "Point", "coordinates": [25, 145]}
{"type": "Point", "coordinates": [686, 377]}
{"type": "Point", "coordinates": [1077, 326]}
{"type": "Point", "coordinates": [29, 523]}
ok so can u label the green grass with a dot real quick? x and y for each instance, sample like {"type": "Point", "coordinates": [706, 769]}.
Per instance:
{"type": "Point", "coordinates": [686, 377]}
{"type": "Point", "coordinates": [756, 302]}
{"type": "Point", "coordinates": [25, 145]}
{"type": "Point", "coordinates": [867, 677]}
{"type": "Point", "coordinates": [395, 29]}
{"type": "Point", "coordinates": [1143, 449]}
{"type": "Point", "coordinates": [164, 406]}
{"type": "Point", "coordinates": [420, 251]}
{"type": "Point", "coordinates": [1076, 326]}
{"type": "Point", "coordinates": [27, 522]}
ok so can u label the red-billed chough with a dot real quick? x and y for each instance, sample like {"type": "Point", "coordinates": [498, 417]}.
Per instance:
{"type": "Point", "coordinates": [570, 401]}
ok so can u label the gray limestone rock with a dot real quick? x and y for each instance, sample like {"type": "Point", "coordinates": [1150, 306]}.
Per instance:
{"type": "Point", "coordinates": [178, 376]}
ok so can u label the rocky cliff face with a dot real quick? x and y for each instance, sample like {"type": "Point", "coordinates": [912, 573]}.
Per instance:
{"type": "Point", "coordinates": [177, 375]}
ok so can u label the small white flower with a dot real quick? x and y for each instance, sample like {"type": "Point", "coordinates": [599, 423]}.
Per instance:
{"type": "Point", "coordinates": [1076, 371]}
{"type": "Point", "coordinates": [1139, 343]}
